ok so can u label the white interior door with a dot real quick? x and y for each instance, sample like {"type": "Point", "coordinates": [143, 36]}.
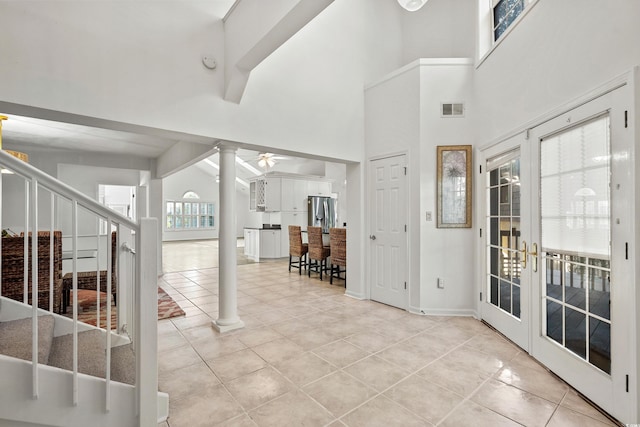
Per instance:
{"type": "Point", "coordinates": [581, 300]}
{"type": "Point", "coordinates": [505, 292]}
{"type": "Point", "coordinates": [388, 236]}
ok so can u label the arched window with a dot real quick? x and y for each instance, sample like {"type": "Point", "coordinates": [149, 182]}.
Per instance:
{"type": "Point", "coordinates": [190, 195]}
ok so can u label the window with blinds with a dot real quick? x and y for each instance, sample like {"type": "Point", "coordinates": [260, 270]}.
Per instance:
{"type": "Point", "coordinates": [575, 233]}
{"type": "Point", "coordinates": [574, 189]}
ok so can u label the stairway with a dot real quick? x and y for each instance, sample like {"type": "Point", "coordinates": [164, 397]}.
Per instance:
{"type": "Point", "coordinates": [15, 341]}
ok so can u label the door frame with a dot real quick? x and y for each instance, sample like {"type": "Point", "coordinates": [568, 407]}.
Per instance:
{"type": "Point", "coordinates": [626, 409]}
{"type": "Point", "coordinates": [407, 205]}
{"type": "Point", "coordinates": [511, 329]}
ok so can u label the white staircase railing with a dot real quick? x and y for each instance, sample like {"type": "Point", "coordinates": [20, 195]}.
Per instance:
{"type": "Point", "coordinates": [46, 204]}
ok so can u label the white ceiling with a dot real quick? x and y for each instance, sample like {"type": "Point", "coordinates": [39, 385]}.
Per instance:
{"type": "Point", "coordinates": [26, 133]}
{"type": "Point", "coordinates": [36, 134]}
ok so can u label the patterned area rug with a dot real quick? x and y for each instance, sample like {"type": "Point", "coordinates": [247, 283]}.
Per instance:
{"type": "Point", "coordinates": [167, 307]}
{"type": "Point", "coordinates": [87, 306]}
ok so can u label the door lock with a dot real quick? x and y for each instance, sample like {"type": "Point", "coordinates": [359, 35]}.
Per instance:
{"type": "Point", "coordinates": [372, 237]}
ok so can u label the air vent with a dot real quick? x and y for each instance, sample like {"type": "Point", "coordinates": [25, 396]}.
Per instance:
{"type": "Point", "coordinates": [452, 109]}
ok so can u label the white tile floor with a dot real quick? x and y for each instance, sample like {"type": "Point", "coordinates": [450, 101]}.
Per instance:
{"type": "Point", "coordinates": [311, 356]}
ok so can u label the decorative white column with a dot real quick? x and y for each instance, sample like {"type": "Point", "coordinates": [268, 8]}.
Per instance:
{"type": "Point", "coordinates": [228, 319]}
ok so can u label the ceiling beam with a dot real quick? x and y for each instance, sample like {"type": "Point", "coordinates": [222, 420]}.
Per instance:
{"type": "Point", "coordinates": [254, 29]}
{"type": "Point", "coordinates": [180, 156]}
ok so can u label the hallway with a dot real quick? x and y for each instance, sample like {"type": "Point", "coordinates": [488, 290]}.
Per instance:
{"type": "Point", "coordinates": [311, 356]}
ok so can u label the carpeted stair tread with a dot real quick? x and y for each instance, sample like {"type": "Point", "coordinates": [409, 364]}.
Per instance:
{"type": "Point", "coordinates": [123, 364]}
{"type": "Point", "coordinates": [15, 338]}
{"type": "Point", "coordinates": [91, 354]}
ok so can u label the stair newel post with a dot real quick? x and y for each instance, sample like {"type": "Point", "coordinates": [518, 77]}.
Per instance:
{"type": "Point", "coordinates": [146, 309]}
{"type": "Point", "coordinates": [74, 250]}
{"type": "Point", "coordinates": [34, 283]}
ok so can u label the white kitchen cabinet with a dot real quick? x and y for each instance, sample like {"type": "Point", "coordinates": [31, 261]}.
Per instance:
{"type": "Point", "coordinates": [270, 243]}
{"type": "Point", "coordinates": [294, 195]}
{"type": "Point", "coordinates": [319, 188]}
{"type": "Point", "coordinates": [268, 194]}
{"type": "Point", "coordinates": [252, 243]}
{"type": "Point", "coordinates": [252, 195]}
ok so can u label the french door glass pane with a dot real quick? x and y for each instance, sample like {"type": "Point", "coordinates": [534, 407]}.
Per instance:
{"type": "Point", "coordinates": [503, 224]}
{"type": "Point", "coordinates": [575, 235]}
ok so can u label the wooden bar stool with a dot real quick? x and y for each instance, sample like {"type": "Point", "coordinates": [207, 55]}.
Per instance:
{"type": "Point", "coordinates": [318, 253]}
{"type": "Point", "coordinates": [297, 249]}
{"type": "Point", "coordinates": [338, 244]}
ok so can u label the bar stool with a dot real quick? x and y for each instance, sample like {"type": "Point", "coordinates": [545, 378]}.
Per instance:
{"type": "Point", "coordinates": [318, 253]}
{"type": "Point", "coordinates": [297, 249]}
{"type": "Point", "coordinates": [338, 244]}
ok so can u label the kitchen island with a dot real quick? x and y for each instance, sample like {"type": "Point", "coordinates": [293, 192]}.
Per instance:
{"type": "Point", "coordinates": [263, 242]}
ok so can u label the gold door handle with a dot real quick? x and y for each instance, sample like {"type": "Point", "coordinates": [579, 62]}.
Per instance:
{"type": "Point", "coordinates": [534, 256]}
{"type": "Point", "coordinates": [523, 252]}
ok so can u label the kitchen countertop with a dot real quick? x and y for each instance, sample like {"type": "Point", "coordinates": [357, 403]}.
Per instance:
{"type": "Point", "coordinates": [262, 228]}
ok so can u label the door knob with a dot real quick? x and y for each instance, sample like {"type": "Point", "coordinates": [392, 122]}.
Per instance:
{"type": "Point", "coordinates": [372, 237]}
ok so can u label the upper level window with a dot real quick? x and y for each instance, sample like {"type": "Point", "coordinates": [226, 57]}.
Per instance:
{"type": "Point", "coordinates": [496, 19]}
{"type": "Point", "coordinates": [504, 13]}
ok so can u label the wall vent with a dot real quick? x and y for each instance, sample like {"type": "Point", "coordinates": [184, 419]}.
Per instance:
{"type": "Point", "coordinates": [452, 109]}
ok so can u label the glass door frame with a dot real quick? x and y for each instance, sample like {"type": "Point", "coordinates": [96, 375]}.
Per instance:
{"type": "Point", "coordinates": [607, 391]}
{"type": "Point", "coordinates": [517, 330]}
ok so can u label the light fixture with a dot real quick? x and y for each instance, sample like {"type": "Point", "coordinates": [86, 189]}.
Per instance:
{"type": "Point", "coordinates": [17, 154]}
{"type": "Point", "coordinates": [268, 160]}
{"type": "Point", "coordinates": [412, 5]}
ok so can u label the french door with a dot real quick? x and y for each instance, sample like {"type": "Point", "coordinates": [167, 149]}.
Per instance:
{"type": "Point", "coordinates": [582, 227]}
{"type": "Point", "coordinates": [506, 186]}
{"type": "Point", "coordinates": [558, 220]}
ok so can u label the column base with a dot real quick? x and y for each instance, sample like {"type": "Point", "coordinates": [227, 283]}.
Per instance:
{"type": "Point", "coordinates": [226, 328]}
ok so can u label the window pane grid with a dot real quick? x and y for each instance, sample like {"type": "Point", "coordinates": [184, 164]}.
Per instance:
{"type": "Point", "coordinates": [503, 223]}
{"type": "Point", "coordinates": [575, 221]}
{"type": "Point", "coordinates": [189, 215]}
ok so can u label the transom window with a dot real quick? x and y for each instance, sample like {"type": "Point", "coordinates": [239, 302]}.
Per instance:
{"type": "Point", "coordinates": [188, 215]}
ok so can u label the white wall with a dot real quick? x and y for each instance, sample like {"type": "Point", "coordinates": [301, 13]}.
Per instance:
{"type": "Point", "coordinates": [140, 63]}
{"type": "Point", "coordinates": [445, 253]}
{"type": "Point", "coordinates": [441, 29]}
{"type": "Point", "coordinates": [392, 126]}
{"type": "Point", "coordinates": [403, 115]}
{"type": "Point", "coordinates": [554, 55]}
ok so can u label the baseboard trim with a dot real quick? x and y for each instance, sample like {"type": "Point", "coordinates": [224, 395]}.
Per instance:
{"type": "Point", "coordinates": [354, 295]}
{"type": "Point", "coordinates": [444, 312]}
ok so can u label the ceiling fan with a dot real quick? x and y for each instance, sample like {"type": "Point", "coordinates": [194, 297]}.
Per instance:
{"type": "Point", "coordinates": [268, 160]}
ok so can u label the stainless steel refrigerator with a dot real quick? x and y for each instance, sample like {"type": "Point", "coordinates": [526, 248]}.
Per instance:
{"type": "Point", "coordinates": [322, 212]}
